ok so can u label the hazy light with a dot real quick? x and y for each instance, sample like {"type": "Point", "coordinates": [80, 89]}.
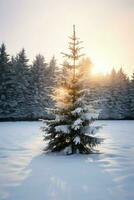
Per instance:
{"type": "Point", "coordinates": [106, 27]}
{"type": "Point", "coordinates": [100, 69]}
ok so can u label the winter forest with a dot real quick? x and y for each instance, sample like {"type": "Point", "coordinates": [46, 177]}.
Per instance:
{"type": "Point", "coordinates": [25, 88]}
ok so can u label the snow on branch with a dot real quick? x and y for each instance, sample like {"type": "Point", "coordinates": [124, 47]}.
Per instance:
{"type": "Point", "coordinates": [89, 116]}
{"type": "Point", "coordinates": [62, 128]}
{"type": "Point", "coordinates": [77, 110]}
{"type": "Point", "coordinates": [77, 140]}
{"type": "Point", "coordinates": [92, 130]}
{"type": "Point", "coordinates": [76, 125]}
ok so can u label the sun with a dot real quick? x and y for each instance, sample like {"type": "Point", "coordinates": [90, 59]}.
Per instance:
{"type": "Point", "coordinates": [100, 69]}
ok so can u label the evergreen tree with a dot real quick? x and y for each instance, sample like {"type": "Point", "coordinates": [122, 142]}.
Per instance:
{"type": "Point", "coordinates": [51, 77]}
{"type": "Point", "coordinates": [52, 70]}
{"type": "Point", "coordinates": [23, 86]}
{"type": "Point", "coordinates": [131, 95]}
{"type": "Point", "coordinates": [123, 100]}
{"type": "Point", "coordinates": [4, 63]}
{"type": "Point", "coordinates": [11, 92]}
{"type": "Point", "coordinates": [72, 129]}
{"type": "Point", "coordinates": [110, 104]}
{"type": "Point", "coordinates": [5, 83]}
{"type": "Point", "coordinates": [86, 66]}
{"type": "Point", "coordinates": [41, 82]}
{"type": "Point", "coordinates": [117, 97]}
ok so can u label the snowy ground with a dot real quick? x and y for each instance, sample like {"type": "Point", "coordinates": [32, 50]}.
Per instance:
{"type": "Point", "coordinates": [27, 174]}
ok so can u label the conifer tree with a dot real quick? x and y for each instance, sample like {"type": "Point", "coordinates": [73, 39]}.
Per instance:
{"type": "Point", "coordinates": [111, 107]}
{"type": "Point", "coordinates": [123, 101]}
{"type": "Point", "coordinates": [71, 130]}
{"type": "Point", "coordinates": [40, 81]}
{"type": "Point", "coordinates": [131, 97]}
{"type": "Point", "coordinates": [11, 91]}
{"type": "Point", "coordinates": [52, 70]}
{"type": "Point", "coordinates": [117, 96]}
{"type": "Point", "coordinates": [52, 73]}
{"type": "Point", "coordinates": [6, 84]}
{"type": "Point", "coordinates": [23, 91]}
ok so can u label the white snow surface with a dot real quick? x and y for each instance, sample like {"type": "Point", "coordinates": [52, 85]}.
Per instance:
{"type": "Point", "coordinates": [26, 173]}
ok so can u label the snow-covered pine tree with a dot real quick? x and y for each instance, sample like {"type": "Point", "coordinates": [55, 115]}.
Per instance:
{"type": "Point", "coordinates": [7, 86]}
{"type": "Point", "coordinates": [4, 82]}
{"type": "Point", "coordinates": [123, 94]}
{"type": "Point", "coordinates": [52, 73]}
{"type": "Point", "coordinates": [23, 86]}
{"type": "Point", "coordinates": [110, 110]}
{"type": "Point", "coordinates": [131, 97]}
{"type": "Point", "coordinates": [40, 76]}
{"type": "Point", "coordinates": [72, 130]}
{"type": "Point", "coordinates": [52, 70]}
{"type": "Point", "coordinates": [116, 105]}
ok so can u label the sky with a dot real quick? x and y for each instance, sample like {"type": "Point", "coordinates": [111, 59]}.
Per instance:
{"type": "Point", "coordinates": [106, 28]}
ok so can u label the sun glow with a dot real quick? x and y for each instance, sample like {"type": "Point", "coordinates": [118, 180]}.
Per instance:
{"type": "Point", "coordinates": [100, 69]}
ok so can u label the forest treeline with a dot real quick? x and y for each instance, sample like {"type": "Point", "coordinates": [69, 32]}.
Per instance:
{"type": "Point", "coordinates": [25, 89]}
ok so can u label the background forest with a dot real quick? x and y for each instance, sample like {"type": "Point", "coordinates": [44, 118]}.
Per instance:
{"type": "Point", "coordinates": [25, 88]}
